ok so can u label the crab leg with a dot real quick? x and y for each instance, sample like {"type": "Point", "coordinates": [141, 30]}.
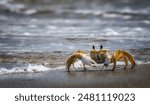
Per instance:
{"type": "Point", "coordinates": [113, 60]}
{"type": "Point", "coordinates": [126, 62]}
{"type": "Point", "coordinates": [131, 59]}
{"type": "Point", "coordinates": [121, 54]}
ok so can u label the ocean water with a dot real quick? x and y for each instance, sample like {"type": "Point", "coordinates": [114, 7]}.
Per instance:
{"type": "Point", "coordinates": [42, 33]}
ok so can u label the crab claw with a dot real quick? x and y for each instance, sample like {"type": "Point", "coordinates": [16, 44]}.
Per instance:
{"type": "Point", "coordinates": [85, 59]}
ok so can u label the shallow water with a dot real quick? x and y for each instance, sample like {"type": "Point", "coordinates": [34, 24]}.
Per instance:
{"type": "Point", "coordinates": [61, 27]}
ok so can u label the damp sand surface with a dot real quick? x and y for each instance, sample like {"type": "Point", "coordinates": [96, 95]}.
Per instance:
{"type": "Point", "coordinates": [137, 78]}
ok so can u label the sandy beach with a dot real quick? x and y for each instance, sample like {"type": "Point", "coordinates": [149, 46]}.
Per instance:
{"type": "Point", "coordinates": [37, 37]}
{"type": "Point", "coordinates": [137, 78]}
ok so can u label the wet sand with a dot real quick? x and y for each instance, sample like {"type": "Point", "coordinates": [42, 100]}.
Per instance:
{"type": "Point", "coordinates": [137, 78]}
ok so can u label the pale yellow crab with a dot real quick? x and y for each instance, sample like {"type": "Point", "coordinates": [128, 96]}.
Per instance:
{"type": "Point", "coordinates": [99, 57]}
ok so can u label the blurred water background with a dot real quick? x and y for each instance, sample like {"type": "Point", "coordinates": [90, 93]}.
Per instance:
{"type": "Point", "coordinates": [47, 31]}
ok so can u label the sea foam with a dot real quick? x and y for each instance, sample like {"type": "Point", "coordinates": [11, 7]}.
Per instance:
{"type": "Point", "coordinates": [36, 68]}
{"type": "Point", "coordinates": [24, 69]}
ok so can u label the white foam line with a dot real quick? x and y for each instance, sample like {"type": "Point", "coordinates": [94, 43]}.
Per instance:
{"type": "Point", "coordinates": [29, 68]}
{"type": "Point", "coordinates": [40, 68]}
{"type": "Point", "coordinates": [78, 65]}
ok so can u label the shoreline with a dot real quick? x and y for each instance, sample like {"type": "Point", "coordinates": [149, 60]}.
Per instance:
{"type": "Point", "coordinates": [137, 78]}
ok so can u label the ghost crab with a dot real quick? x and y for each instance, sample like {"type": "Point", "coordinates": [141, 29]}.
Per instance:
{"type": "Point", "coordinates": [101, 56]}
